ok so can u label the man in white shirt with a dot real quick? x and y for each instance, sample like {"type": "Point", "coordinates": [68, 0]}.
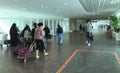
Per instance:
{"type": "Point", "coordinates": [88, 30]}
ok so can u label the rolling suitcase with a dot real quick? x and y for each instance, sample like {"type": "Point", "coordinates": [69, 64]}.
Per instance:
{"type": "Point", "coordinates": [17, 49]}
{"type": "Point", "coordinates": [25, 52]}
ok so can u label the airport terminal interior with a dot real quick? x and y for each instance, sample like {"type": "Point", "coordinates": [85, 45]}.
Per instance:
{"type": "Point", "coordinates": [74, 54]}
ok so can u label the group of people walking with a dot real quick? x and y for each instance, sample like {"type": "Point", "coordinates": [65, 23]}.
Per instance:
{"type": "Point", "coordinates": [37, 34]}
{"type": "Point", "coordinates": [27, 36]}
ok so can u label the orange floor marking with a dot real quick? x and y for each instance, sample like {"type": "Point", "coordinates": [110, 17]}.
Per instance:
{"type": "Point", "coordinates": [117, 57]}
{"type": "Point", "coordinates": [66, 62]}
{"type": "Point", "coordinates": [94, 51]}
{"type": "Point", "coordinates": [75, 52]}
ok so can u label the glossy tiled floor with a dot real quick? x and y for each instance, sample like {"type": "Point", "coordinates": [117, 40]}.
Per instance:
{"type": "Point", "coordinates": [102, 57]}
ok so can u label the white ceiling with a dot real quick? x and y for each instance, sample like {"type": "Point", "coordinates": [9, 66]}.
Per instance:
{"type": "Point", "coordinates": [60, 8]}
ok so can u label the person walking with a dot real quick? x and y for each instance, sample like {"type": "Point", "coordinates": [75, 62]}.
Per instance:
{"type": "Point", "coordinates": [27, 36]}
{"type": "Point", "coordinates": [88, 30]}
{"type": "Point", "coordinates": [14, 35]}
{"type": "Point", "coordinates": [47, 32]}
{"type": "Point", "coordinates": [81, 28]}
{"type": "Point", "coordinates": [33, 31]}
{"type": "Point", "coordinates": [60, 34]}
{"type": "Point", "coordinates": [38, 37]}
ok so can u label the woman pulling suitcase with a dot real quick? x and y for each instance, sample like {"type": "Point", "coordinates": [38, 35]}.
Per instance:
{"type": "Point", "coordinates": [38, 37]}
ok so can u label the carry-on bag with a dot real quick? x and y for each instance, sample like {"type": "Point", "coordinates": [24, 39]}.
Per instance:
{"type": "Point", "coordinates": [25, 52]}
{"type": "Point", "coordinates": [17, 49]}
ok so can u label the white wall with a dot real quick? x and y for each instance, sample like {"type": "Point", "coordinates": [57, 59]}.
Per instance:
{"type": "Point", "coordinates": [97, 24]}
{"type": "Point", "coordinates": [75, 23]}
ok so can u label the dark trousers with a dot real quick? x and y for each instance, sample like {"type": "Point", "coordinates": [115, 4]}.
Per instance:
{"type": "Point", "coordinates": [14, 40]}
{"type": "Point", "coordinates": [39, 45]}
{"type": "Point", "coordinates": [89, 36]}
{"type": "Point", "coordinates": [28, 43]}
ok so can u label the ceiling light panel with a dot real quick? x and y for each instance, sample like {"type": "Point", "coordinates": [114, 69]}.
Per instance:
{"type": "Point", "coordinates": [100, 5]}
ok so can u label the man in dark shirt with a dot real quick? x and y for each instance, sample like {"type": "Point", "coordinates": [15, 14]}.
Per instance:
{"type": "Point", "coordinates": [60, 34]}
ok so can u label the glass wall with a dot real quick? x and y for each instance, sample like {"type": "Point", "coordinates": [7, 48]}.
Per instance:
{"type": "Point", "coordinates": [5, 23]}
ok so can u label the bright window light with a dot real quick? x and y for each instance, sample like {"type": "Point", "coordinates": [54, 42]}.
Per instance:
{"type": "Point", "coordinates": [115, 1]}
{"type": "Point", "coordinates": [4, 28]}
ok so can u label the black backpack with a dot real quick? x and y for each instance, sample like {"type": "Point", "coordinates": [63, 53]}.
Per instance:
{"type": "Point", "coordinates": [60, 30]}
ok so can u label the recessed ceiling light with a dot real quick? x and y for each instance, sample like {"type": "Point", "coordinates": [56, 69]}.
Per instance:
{"type": "Point", "coordinates": [42, 6]}
{"type": "Point", "coordinates": [65, 3]}
{"type": "Point", "coordinates": [15, 0]}
{"type": "Point", "coordinates": [24, 8]}
{"type": "Point", "coordinates": [46, 6]}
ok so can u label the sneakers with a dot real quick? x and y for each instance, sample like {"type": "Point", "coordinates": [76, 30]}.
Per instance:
{"type": "Point", "coordinates": [24, 60]}
{"type": "Point", "coordinates": [89, 44]}
{"type": "Point", "coordinates": [46, 53]}
{"type": "Point", "coordinates": [37, 57]}
{"type": "Point", "coordinates": [37, 54]}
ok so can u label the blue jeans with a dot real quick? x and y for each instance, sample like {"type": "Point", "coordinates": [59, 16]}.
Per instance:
{"type": "Point", "coordinates": [60, 37]}
{"type": "Point", "coordinates": [89, 34]}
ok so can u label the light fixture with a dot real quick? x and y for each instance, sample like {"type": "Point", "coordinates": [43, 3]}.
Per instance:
{"type": "Point", "coordinates": [100, 5]}
{"type": "Point", "coordinates": [15, 0]}
{"type": "Point", "coordinates": [42, 6]}
{"type": "Point", "coordinates": [65, 3]}
{"type": "Point", "coordinates": [23, 8]}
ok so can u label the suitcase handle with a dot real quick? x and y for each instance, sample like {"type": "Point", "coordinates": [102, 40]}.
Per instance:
{"type": "Point", "coordinates": [32, 45]}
